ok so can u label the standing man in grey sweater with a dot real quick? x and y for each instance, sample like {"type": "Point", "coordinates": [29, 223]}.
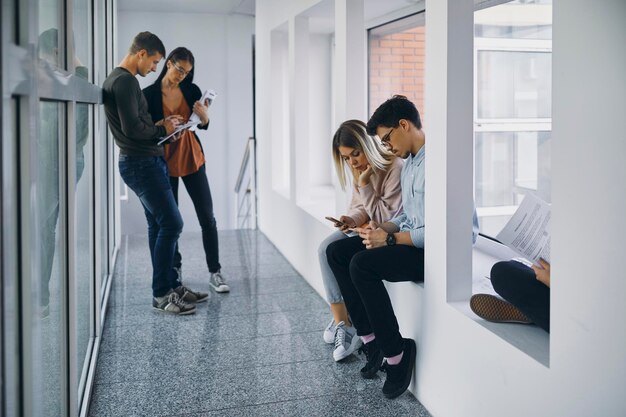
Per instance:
{"type": "Point", "coordinates": [144, 170]}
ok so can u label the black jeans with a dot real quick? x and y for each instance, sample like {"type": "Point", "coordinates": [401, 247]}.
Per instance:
{"type": "Point", "coordinates": [360, 273]}
{"type": "Point", "coordinates": [197, 186]}
{"type": "Point", "coordinates": [517, 284]}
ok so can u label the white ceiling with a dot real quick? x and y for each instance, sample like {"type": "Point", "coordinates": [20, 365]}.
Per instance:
{"type": "Point", "coordinates": [226, 7]}
{"type": "Point", "coordinates": [322, 14]}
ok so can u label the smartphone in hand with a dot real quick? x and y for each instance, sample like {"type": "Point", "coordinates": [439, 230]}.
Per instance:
{"type": "Point", "coordinates": [338, 223]}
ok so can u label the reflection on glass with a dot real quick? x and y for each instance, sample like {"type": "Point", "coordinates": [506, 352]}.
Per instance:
{"type": "Point", "coordinates": [48, 47]}
{"type": "Point", "coordinates": [82, 206]}
{"type": "Point", "coordinates": [50, 19]}
{"type": "Point", "coordinates": [514, 84]}
{"type": "Point", "coordinates": [50, 277]}
{"type": "Point", "coordinates": [82, 34]}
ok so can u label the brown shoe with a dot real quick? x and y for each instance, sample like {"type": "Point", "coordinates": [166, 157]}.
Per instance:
{"type": "Point", "coordinates": [492, 308]}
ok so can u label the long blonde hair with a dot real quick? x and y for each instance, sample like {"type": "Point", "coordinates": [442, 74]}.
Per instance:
{"type": "Point", "coordinates": [353, 134]}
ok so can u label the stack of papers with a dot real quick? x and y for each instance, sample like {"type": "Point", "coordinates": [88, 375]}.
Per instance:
{"type": "Point", "coordinates": [528, 231]}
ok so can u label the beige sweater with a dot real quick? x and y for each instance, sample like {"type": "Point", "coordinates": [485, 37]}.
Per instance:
{"type": "Point", "coordinates": [381, 199]}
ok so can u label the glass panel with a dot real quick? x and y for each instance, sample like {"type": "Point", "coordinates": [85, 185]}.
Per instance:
{"type": "Point", "coordinates": [513, 108]}
{"type": "Point", "coordinates": [82, 36]}
{"type": "Point", "coordinates": [47, 243]}
{"type": "Point", "coordinates": [396, 61]}
{"type": "Point", "coordinates": [83, 231]}
{"type": "Point", "coordinates": [9, 265]}
{"type": "Point", "coordinates": [102, 153]}
{"type": "Point", "coordinates": [519, 19]}
{"type": "Point", "coordinates": [508, 165]}
{"type": "Point", "coordinates": [514, 84]}
{"type": "Point", "coordinates": [50, 42]}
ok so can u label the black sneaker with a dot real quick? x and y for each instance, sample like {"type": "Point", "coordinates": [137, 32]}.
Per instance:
{"type": "Point", "coordinates": [399, 376]}
{"type": "Point", "coordinates": [374, 357]}
{"type": "Point", "coordinates": [190, 296]}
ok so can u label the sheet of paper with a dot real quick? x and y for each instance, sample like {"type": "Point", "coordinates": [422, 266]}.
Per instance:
{"type": "Point", "coordinates": [528, 231]}
{"type": "Point", "coordinates": [179, 129]}
{"type": "Point", "coordinates": [194, 119]}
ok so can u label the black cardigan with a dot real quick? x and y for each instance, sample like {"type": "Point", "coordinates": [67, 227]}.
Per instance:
{"type": "Point", "coordinates": [191, 93]}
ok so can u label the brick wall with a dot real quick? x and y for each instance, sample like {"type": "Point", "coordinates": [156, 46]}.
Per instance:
{"type": "Point", "coordinates": [396, 66]}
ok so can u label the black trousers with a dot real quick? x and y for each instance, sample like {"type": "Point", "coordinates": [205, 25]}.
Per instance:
{"type": "Point", "coordinates": [517, 283]}
{"type": "Point", "coordinates": [197, 186]}
{"type": "Point", "coordinates": [360, 273]}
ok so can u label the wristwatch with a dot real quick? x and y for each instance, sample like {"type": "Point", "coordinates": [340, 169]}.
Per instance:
{"type": "Point", "coordinates": [391, 239]}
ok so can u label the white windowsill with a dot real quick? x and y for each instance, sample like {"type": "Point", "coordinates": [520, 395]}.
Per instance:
{"type": "Point", "coordinates": [530, 339]}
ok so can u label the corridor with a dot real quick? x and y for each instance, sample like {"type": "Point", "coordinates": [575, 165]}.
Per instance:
{"type": "Point", "coordinates": [257, 351]}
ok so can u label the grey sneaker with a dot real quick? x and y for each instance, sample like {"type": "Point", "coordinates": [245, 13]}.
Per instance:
{"type": "Point", "coordinates": [329, 332]}
{"type": "Point", "coordinates": [346, 341]}
{"type": "Point", "coordinates": [218, 282]}
{"type": "Point", "coordinates": [190, 296]}
{"type": "Point", "coordinates": [171, 303]}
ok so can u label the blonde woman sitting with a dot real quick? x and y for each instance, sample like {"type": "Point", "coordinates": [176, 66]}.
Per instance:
{"type": "Point", "coordinates": [376, 197]}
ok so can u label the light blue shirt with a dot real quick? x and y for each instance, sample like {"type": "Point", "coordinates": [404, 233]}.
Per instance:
{"type": "Point", "coordinates": [412, 183]}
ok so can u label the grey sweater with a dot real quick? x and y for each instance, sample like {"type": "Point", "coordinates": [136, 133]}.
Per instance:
{"type": "Point", "coordinates": [127, 113]}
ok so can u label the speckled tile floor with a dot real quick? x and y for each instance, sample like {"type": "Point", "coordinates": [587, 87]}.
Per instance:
{"type": "Point", "coordinates": [257, 351]}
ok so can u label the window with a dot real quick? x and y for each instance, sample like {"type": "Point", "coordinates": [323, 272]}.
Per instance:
{"type": "Point", "coordinates": [396, 61]}
{"type": "Point", "coordinates": [512, 109]}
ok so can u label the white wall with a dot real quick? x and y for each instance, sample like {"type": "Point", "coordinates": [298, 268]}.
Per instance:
{"type": "Point", "coordinates": [222, 47]}
{"type": "Point", "coordinates": [463, 369]}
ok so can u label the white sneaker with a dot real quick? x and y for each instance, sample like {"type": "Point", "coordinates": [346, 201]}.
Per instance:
{"type": "Point", "coordinates": [346, 341]}
{"type": "Point", "coordinates": [329, 332]}
{"type": "Point", "coordinates": [218, 283]}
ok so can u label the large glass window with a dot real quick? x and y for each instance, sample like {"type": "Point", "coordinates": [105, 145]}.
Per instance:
{"type": "Point", "coordinates": [513, 102]}
{"type": "Point", "coordinates": [49, 309]}
{"type": "Point", "coordinates": [396, 61]}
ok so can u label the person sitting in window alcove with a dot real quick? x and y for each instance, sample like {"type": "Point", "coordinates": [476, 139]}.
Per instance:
{"type": "Point", "coordinates": [526, 293]}
{"type": "Point", "coordinates": [375, 197]}
{"type": "Point", "coordinates": [392, 251]}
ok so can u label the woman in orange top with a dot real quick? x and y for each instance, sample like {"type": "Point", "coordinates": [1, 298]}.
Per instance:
{"type": "Point", "coordinates": [173, 93]}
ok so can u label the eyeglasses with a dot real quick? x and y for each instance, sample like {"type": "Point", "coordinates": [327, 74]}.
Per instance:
{"type": "Point", "coordinates": [386, 138]}
{"type": "Point", "coordinates": [180, 70]}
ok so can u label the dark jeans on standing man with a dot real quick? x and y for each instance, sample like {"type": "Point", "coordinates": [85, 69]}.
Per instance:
{"type": "Point", "coordinates": [360, 273]}
{"type": "Point", "coordinates": [197, 186]}
{"type": "Point", "coordinates": [518, 284]}
{"type": "Point", "coordinates": [148, 177]}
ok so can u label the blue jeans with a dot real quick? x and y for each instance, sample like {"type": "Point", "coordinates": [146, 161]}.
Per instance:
{"type": "Point", "coordinates": [333, 292]}
{"type": "Point", "coordinates": [148, 177]}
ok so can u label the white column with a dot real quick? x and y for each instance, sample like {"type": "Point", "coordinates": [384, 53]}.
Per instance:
{"type": "Point", "coordinates": [299, 104]}
{"type": "Point", "coordinates": [589, 204]}
{"type": "Point", "coordinates": [350, 60]}
{"type": "Point", "coordinates": [449, 145]}
{"type": "Point", "coordinates": [350, 68]}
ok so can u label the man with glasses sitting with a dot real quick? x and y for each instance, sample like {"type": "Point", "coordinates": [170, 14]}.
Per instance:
{"type": "Point", "coordinates": [392, 251]}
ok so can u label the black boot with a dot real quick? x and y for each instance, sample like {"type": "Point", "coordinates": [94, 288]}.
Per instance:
{"type": "Point", "coordinates": [374, 359]}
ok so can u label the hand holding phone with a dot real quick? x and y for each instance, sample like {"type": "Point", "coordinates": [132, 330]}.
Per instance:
{"type": "Point", "coordinates": [338, 223]}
